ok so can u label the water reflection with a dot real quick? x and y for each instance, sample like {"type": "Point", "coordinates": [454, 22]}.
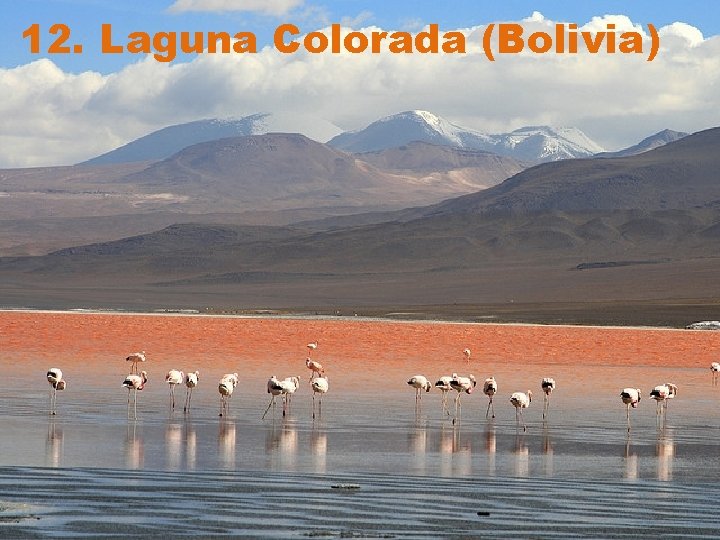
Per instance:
{"type": "Point", "coordinates": [548, 464]}
{"type": "Point", "coordinates": [522, 456]}
{"type": "Point", "coordinates": [456, 452]}
{"type": "Point", "coordinates": [226, 444]}
{"type": "Point", "coordinates": [490, 448]}
{"type": "Point", "coordinates": [281, 445]}
{"type": "Point", "coordinates": [173, 446]}
{"type": "Point", "coordinates": [665, 451]}
{"type": "Point", "coordinates": [318, 447]}
{"type": "Point", "coordinates": [134, 448]}
{"type": "Point", "coordinates": [190, 446]}
{"type": "Point", "coordinates": [417, 446]}
{"type": "Point", "coordinates": [54, 445]}
{"type": "Point", "coordinates": [631, 460]}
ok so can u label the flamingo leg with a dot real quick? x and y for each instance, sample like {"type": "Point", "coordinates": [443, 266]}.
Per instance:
{"type": "Point", "coordinates": [523, 420]}
{"type": "Point", "coordinates": [128, 404]}
{"type": "Point", "coordinates": [457, 409]}
{"type": "Point", "coordinates": [188, 392]}
{"type": "Point", "coordinates": [313, 415]}
{"type": "Point", "coordinates": [492, 405]}
{"type": "Point", "coordinates": [272, 402]}
{"type": "Point", "coordinates": [628, 416]}
{"type": "Point", "coordinates": [135, 405]}
{"type": "Point", "coordinates": [172, 397]}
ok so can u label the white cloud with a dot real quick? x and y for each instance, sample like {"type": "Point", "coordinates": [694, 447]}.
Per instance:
{"type": "Point", "coordinates": [49, 117]}
{"type": "Point", "coordinates": [266, 7]}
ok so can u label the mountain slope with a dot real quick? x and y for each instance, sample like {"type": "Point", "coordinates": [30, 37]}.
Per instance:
{"type": "Point", "coordinates": [285, 170]}
{"type": "Point", "coordinates": [169, 140]}
{"type": "Point", "coordinates": [679, 175]}
{"type": "Point", "coordinates": [537, 143]}
{"type": "Point", "coordinates": [660, 138]}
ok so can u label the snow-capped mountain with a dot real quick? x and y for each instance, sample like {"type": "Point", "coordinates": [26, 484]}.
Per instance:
{"type": "Point", "coordinates": [536, 143]}
{"type": "Point", "coordinates": [661, 138]}
{"type": "Point", "coordinates": [170, 140]}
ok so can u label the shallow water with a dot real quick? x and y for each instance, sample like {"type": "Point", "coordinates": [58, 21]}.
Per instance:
{"type": "Point", "coordinates": [402, 470]}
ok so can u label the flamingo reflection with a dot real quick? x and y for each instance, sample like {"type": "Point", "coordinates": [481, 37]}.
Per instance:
{"type": "Point", "coordinates": [226, 444]}
{"type": "Point", "coordinates": [54, 445]}
{"type": "Point", "coordinates": [522, 456]}
{"type": "Point", "coordinates": [173, 446]}
{"type": "Point", "coordinates": [134, 448]}
{"type": "Point", "coordinates": [631, 460]}
{"type": "Point", "coordinates": [318, 447]}
{"type": "Point", "coordinates": [665, 451]}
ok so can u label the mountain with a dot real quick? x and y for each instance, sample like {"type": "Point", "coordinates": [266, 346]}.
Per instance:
{"type": "Point", "coordinates": [272, 179]}
{"type": "Point", "coordinates": [169, 140]}
{"type": "Point", "coordinates": [532, 144]}
{"type": "Point", "coordinates": [618, 240]}
{"type": "Point", "coordinates": [660, 138]}
{"type": "Point", "coordinates": [287, 170]}
{"type": "Point", "coordinates": [678, 175]}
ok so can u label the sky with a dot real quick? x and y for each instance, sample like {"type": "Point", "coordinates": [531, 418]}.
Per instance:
{"type": "Point", "coordinates": [63, 108]}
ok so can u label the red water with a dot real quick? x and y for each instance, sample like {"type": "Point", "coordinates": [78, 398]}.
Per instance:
{"type": "Point", "coordinates": [255, 347]}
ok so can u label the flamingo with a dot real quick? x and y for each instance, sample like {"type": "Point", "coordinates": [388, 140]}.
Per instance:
{"type": "Point", "coordinates": [661, 394]}
{"type": "Point", "coordinates": [490, 389]}
{"type": "Point", "coordinates": [290, 385]}
{"type": "Point", "coordinates": [274, 388]}
{"type": "Point", "coordinates": [226, 387]}
{"type": "Point", "coordinates": [443, 384]}
{"type": "Point", "coordinates": [134, 382]}
{"type": "Point", "coordinates": [419, 383]}
{"type": "Point", "coordinates": [320, 386]}
{"type": "Point", "coordinates": [316, 369]}
{"type": "Point", "coordinates": [312, 346]}
{"type": "Point", "coordinates": [630, 397]}
{"type": "Point", "coordinates": [191, 381]}
{"type": "Point", "coordinates": [173, 378]}
{"type": "Point", "coordinates": [547, 385]}
{"type": "Point", "coordinates": [466, 354]}
{"type": "Point", "coordinates": [135, 358]}
{"type": "Point", "coordinates": [56, 381]}
{"type": "Point", "coordinates": [715, 369]}
{"type": "Point", "coordinates": [521, 401]}
{"type": "Point", "coordinates": [461, 385]}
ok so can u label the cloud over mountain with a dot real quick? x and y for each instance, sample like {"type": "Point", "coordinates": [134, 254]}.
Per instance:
{"type": "Point", "coordinates": [54, 117]}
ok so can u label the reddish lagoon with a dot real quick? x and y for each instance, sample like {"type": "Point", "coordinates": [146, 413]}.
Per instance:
{"type": "Point", "coordinates": [568, 470]}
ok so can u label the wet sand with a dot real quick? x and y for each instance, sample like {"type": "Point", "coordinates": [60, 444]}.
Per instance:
{"type": "Point", "coordinates": [578, 474]}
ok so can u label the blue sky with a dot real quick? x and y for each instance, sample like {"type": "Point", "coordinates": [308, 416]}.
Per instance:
{"type": "Point", "coordinates": [61, 109]}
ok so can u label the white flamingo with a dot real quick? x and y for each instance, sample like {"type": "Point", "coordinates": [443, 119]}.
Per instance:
{"type": "Point", "coordinates": [226, 387]}
{"type": "Point", "coordinates": [466, 354]}
{"type": "Point", "coordinates": [419, 383]}
{"type": "Point", "coordinates": [490, 388]}
{"type": "Point", "coordinates": [274, 388]}
{"type": "Point", "coordinates": [462, 385]}
{"type": "Point", "coordinates": [56, 381]}
{"type": "Point", "coordinates": [290, 386]}
{"type": "Point", "coordinates": [443, 384]}
{"type": "Point", "coordinates": [662, 394]}
{"type": "Point", "coordinates": [134, 382]}
{"type": "Point", "coordinates": [173, 378]}
{"type": "Point", "coordinates": [630, 397]}
{"type": "Point", "coordinates": [135, 358]}
{"type": "Point", "coordinates": [715, 369]}
{"type": "Point", "coordinates": [547, 385]}
{"type": "Point", "coordinates": [521, 401]}
{"type": "Point", "coordinates": [191, 381]}
{"type": "Point", "coordinates": [316, 369]}
{"type": "Point", "coordinates": [312, 346]}
{"type": "Point", "coordinates": [320, 385]}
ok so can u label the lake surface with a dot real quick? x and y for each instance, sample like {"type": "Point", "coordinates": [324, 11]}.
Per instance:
{"type": "Point", "coordinates": [372, 464]}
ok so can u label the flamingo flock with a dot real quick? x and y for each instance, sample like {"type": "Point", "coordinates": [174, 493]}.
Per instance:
{"type": "Point", "coordinates": [135, 381]}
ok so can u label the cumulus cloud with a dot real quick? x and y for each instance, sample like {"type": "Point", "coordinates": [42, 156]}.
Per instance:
{"type": "Point", "coordinates": [265, 7]}
{"type": "Point", "coordinates": [49, 117]}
